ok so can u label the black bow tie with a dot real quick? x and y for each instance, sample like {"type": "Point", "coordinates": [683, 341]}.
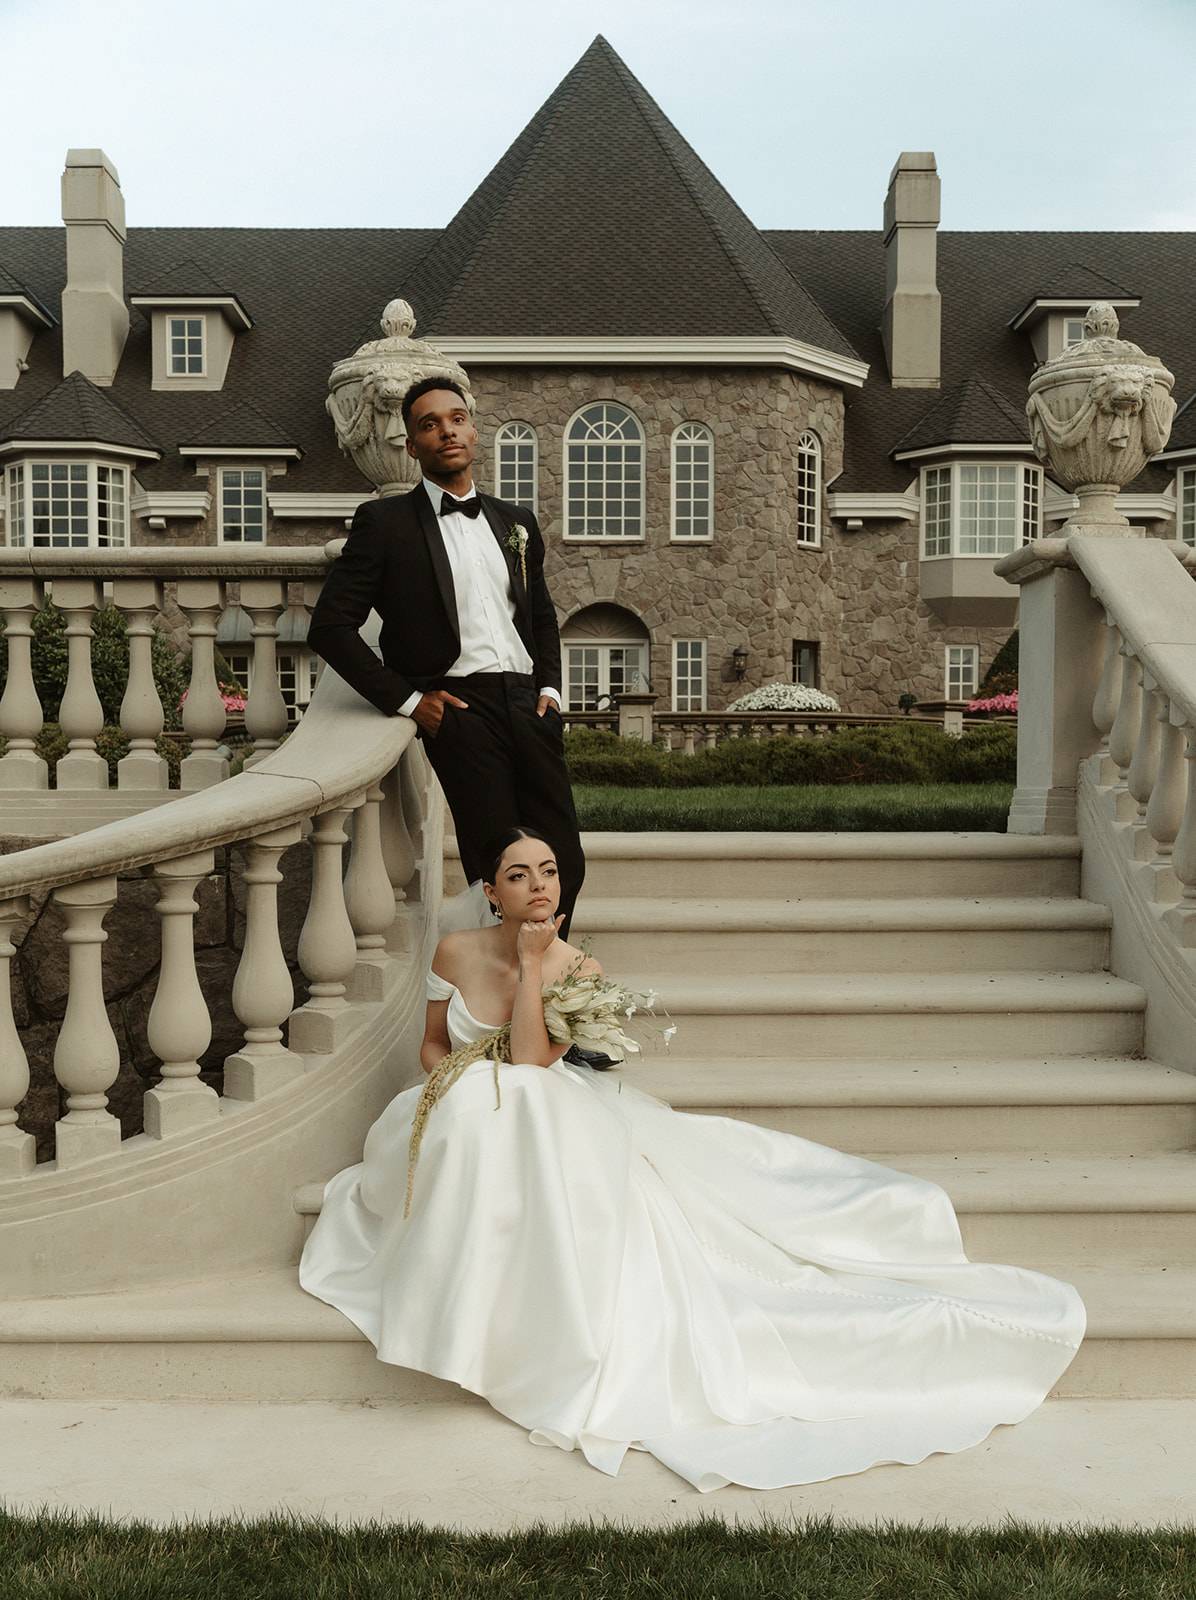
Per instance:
{"type": "Point", "coordinates": [467, 508]}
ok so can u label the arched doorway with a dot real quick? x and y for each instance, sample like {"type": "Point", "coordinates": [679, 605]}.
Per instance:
{"type": "Point", "coordinates": [605, 651]}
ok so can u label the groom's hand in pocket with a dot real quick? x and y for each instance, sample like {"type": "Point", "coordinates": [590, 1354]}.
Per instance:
{"type": "Point", "coordinates": [429, 713]}
{"type": "Point", "coordinates": [546, 703]}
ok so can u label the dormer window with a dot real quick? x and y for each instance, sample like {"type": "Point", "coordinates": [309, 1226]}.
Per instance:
{"type": "Point", "coordinates": [186, 336]}
{"type": "Point", "coordinates": [1073, 332]}
{"type": "Point", "coordinates": [193, 322]}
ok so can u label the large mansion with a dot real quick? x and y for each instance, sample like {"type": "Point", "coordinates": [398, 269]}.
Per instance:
{"type": "Point", "coordinates": [756, 455]}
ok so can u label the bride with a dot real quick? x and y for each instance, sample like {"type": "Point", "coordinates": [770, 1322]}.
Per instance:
{"type": "Point", "coordinates": [747, 1306]}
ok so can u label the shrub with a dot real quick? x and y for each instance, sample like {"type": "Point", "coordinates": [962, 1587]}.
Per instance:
{"type": "Point", "coordinates": [109, 663]}
{"type": "Point", "coordinates": [785, 697]}
{"type": "Point", "coordinates": [985, 755]}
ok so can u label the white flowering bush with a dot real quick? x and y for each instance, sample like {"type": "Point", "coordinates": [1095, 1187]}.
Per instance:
{"type": "Point", "coordinates": [785, 697]}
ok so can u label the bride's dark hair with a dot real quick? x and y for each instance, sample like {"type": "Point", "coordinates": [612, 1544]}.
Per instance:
{"type": "Point", "coordinates": [501, 843]}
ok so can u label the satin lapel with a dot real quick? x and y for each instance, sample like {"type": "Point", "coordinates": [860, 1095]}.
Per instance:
{"type": "Point", "coordinates": [502, 532]}
{"type": "Point", "coordinates": [430, 527]}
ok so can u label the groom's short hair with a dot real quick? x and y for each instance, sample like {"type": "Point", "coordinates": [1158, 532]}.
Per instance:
{"type": "Point", "coordinates": [426, 386]}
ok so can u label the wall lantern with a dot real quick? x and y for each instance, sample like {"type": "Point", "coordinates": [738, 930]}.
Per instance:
{"type": "Point", "coordinates": [739, 660]}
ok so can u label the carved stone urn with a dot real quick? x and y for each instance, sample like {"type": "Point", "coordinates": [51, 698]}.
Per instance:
{"type": "Point", "coordinates": [367, 390]}
{"type": "Point", "coordinates": [1097, 413]}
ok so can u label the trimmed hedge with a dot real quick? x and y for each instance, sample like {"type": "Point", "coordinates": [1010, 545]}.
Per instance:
{"type": "Point", "coordinates": [897, 753]}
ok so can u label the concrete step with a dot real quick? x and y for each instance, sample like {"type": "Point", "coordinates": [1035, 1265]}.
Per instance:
{"type": "Point", "coordinates": [822, 866]}
{"type": "Point", "coordinates": [1098, 1105]}
{"type": "Point", "coordinates": [259, 1337]}
{"type": "Point", "coordinates": [861, 1016]}
{"type": "Point", "coordinates": [647, 939]}
{"type": "Point", "coordinates": [1107, 1211]}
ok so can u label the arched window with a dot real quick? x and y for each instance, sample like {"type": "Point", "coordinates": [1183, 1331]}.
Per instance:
{"type": "Point", "coordinates": [606, 650]}
{"type": "Point", "coordinates": [809, 489]}
{"type": "Point", "coordinates": [693, 482]}
{"type": "Point", "coordinates": [516, 464]}
{"type": "Point", "coordinates": [604, 474]}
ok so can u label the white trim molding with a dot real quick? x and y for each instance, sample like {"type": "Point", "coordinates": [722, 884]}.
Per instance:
{"type": "Point", "coordinates": [874, 507]}
{"type": "Point", "coordinates": [1058, 505]}
{"type": "Point", "coordinates": [227, 303]}
{"type": "Point", "coordinates": [27, 308]}
{"type": "Point", "coordinates": [314, 505]}
{"type": "Point", "coordinates": [182, 503]}
{"type": "Point", "coordinates": [1039, 307]}
{"type": "Point", "coordinates": [1180, 453]}
{"type": "Point", "coordinates": [226, 452]}
{"type": "Point", "coordinates": [1026, 451]}
{"type": "Point", "coordinates": [730, 350]}
{"type": "Point", "coordinates": [76, 447]}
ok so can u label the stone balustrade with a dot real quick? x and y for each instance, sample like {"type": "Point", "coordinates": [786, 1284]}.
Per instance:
{"type": "Point", "coordinates": [343, 762]}
{"type": "Point", "coordinates": [693, 731]}
{"type": "Point", "coordinates": [203, 584]}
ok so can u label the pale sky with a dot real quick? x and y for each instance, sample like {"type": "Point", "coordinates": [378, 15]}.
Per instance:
{"type": "Point", "coordinates": [1056, 114]}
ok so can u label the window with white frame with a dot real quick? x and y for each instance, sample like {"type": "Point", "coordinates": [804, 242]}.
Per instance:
{"type": "Point", "coordinates": [186, 356]}
{"type": "Point", "coordinates": [242, 505]}
{"type": "Point", "coordinates": [689, 674]}
{"type": "Point", "coordinates": [595, 673]}
{"type": "Point", "coordinates": [962, 671]}
{"type": "Point", "coordinates": [516, 464]}
{"type": "Point", "coordinates": [604, 474]}
{"type": "Point", "coordinates": [806, 662]}
{"type": "Point", "coordinates": [68, 505]}
{"type": "Point", "coordinates": [809, 489]}
{"type": "Point", "coordinates": [297, 673]}
{"type": "Point", "coordinates": [693, 481]}
{"type": "Point", "coordinates": [1185, 497]}
{"type": "Point", "coordinates": [1073, 332]}
{"type": "Point", "coordinates": [980, 508]}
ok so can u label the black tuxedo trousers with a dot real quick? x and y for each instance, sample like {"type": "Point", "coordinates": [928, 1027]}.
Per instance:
{"type": "Point", "coordinates": [501, 766]}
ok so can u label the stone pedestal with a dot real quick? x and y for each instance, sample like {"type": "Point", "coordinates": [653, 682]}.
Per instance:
{"type": "Point", "coordinates": [636, 716]}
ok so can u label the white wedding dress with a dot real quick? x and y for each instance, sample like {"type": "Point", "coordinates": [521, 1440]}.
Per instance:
{"type": "Point", "coordinates": [749, 1307]}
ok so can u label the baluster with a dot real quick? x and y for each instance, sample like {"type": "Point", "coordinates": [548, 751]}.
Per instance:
{"type": "Point", "coordinates": [327, 946]}
{"type": "Point", "coordinates": [141, 715]}
{"type": "Point", "coordinates": [81, 714]}
{"type": "Point", "coordinates": [263, 991]}
{"type": "Point", "coordinates": [1108, 692]}
{"type": "Point", "coordinates": [21, 715]}
{"type": "Point", "coordinates": [398, 849]}
{"type": "Point", "coordinates": [1182, 917]}
{"type": "Point", "coordinates": [204, 716]}
{"type": "Point", "coordinates": [1144, 767]}
{"type": "Point", "coordinates": [265, 710]}
{"type": "Point", "coordinates": [1124, 735]}
{"type": "Point", "coordinates": [689, 732]}
{"type": "Point", "coordinates": [18, 1150]}
{"type": "Point", "coordinates": [179, 1028]}
{"type": "Point", "coordinates": [711, 735]}
{"type": "Point", "coordinates": [1166, 809]}
{"type": "Point", "coordinates": [413, 791]}
{"type": "Point", "coordinates": [370, 900]}
{"type": "Point", "coordinates": [757, 729]}
{"type": "Point", "coordinates": [86, 1055]}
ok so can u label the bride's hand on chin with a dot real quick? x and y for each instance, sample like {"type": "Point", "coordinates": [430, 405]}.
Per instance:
{"type": "Point", "coordinates": [534, 938]}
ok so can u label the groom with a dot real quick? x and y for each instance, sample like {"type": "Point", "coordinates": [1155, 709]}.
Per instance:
{"type": "Point", "coordinates": [470, 647]}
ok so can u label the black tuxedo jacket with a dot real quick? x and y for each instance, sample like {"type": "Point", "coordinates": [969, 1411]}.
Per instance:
{"type": "Point", "coordinates": [394, 562]}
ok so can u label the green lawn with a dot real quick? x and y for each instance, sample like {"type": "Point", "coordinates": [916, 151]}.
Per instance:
{"type": "Point", "coordinates": [850, 808]}
{"type": "Point", "coordinates": [283, 1559]}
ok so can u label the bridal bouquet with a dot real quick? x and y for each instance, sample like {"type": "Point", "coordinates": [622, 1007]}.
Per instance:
{"type": "Point", "coordinates": [580, 1008]}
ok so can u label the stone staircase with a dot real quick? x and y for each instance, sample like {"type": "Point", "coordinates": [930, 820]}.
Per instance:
{"type": "Point", "coordinates": [937, 1002]}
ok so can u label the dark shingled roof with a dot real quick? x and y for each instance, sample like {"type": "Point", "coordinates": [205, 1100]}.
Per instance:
{"type": "Point", "coordinates": [1183, 433]}
{"type": "Point", "coordinates": [1080, 282]}
{"type": "Point", "coordinates": [76, 409]}
{"type": "Point", "coordinates": [243, 426]}
{"type": "Point", "coordinates": [969, 413]}
{"type": "Point", "coordinates": [10, 286]}
{"type": "Point", "coordinates": [186, 278]}
{"type": "Point", "coordinates": [599, 220]}
{"type": "Point", "coordinates": [600, 217]}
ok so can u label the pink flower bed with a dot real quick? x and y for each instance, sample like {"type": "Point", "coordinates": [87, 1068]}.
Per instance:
{"type": "Point", "coordinates": [1006, 703]}
{"type": "Point", "coordinates": [233, 699]}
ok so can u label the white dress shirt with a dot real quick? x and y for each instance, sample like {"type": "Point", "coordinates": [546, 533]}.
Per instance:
{"type": "Point", "coordinates": [490, 641]}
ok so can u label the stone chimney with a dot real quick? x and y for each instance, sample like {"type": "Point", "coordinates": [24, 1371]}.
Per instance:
{"type": "Point", "coordinates": [95, 319]}
{"type": "Point", "coordinates": [912, 325]}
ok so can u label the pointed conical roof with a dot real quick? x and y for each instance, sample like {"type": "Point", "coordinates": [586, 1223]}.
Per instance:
{"type": "Point", "coordinates": [241, 427]}
{"type": "Point", "coordinates": [972, 412]}
{"type": "Point", "coordinates": [76, 409]}
{"type": "Point", "coordinates": [600, 220]}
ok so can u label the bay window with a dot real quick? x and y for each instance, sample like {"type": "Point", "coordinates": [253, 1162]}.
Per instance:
{"type": "Point", "coordinates": [980, 508]}
{"type": "Point", "coordinates": [68, 505]}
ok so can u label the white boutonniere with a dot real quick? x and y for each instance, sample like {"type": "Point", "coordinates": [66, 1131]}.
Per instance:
{"type": "Point", "coordinates": [517, 542]}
